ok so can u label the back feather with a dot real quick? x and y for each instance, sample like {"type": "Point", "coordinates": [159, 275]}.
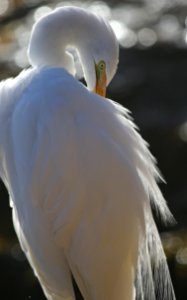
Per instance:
{"type": "Point", "coordinates": [153, 279]}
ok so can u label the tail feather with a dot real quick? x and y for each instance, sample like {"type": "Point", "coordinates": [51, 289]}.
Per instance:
{"type": "Point", "coordinates": [153, 278]}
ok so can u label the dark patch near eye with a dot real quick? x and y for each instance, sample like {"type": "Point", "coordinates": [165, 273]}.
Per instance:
{"type": "Point", "coordinates": [77, 292]}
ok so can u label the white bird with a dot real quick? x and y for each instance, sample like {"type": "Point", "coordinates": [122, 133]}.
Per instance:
{"type": "Point", "coordinates": [80, 177]}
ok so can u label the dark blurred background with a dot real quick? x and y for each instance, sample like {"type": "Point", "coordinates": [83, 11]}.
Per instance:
{"type": "Point", "coordinates": [151, 82]}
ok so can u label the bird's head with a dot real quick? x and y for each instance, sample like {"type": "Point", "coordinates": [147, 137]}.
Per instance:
{"type": "Point", "coordinates": [99, 52]}
{"type": "Point", "coordinates": [89, 34]}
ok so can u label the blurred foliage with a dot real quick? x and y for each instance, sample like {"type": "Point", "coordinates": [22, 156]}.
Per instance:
{"type": "Point", "coordinates": [151, 82]}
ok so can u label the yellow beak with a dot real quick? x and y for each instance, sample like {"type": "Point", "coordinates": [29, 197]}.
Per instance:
{"type": "Point", "coordinates": [101, 80]}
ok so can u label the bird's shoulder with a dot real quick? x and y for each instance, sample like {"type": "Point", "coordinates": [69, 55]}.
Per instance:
{"type": "Point", "coordinates": [55, 82]}
{"type": "Point", "coordinates": [52, 91]}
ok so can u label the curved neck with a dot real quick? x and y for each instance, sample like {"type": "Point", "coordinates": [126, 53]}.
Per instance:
{"type": "Point", "coordinates": [55, 32]}
{"type": "Point", "coordinates": [75, 27]}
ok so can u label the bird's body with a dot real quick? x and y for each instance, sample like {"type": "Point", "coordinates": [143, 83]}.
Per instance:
{"type": "Point", "coordinates": [80, 179]}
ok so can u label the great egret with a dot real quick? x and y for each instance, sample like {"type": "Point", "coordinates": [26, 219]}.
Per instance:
{"type": "Point", "coordinates": [81, 179]}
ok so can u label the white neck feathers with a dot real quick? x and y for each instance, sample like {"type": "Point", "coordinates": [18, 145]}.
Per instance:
{"type": "Point", "coordinates": [92, 37]}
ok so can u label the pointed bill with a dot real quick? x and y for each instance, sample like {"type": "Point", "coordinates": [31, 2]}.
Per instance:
{"type": "Point", "coordinates": [101, 80]}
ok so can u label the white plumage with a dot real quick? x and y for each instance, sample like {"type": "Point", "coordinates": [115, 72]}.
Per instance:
{"type": "Point", "coordinates": [80, 177]}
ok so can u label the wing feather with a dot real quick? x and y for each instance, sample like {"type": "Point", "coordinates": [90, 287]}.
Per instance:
{"type": "Point", "coordinates": [86, 182]}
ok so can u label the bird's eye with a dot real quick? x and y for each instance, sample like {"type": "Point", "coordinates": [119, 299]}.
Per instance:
{"type": "Point", "coordinates": [102, 65]}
